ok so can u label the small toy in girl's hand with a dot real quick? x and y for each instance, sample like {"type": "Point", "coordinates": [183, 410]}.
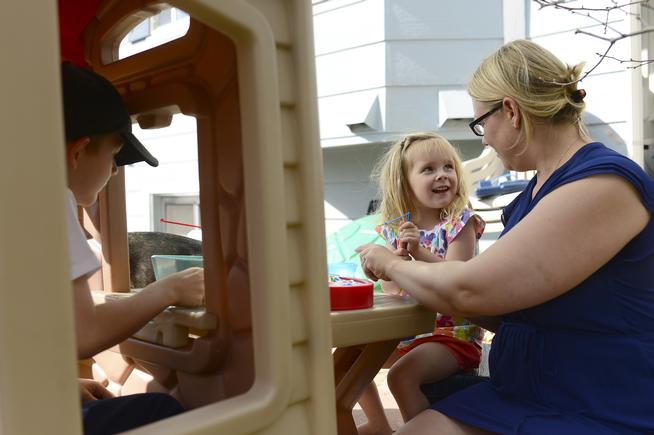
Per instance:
{"type": "Point", "coordinates": [349, 293]}
{"type": "Point", "coordinates": [389, 229]}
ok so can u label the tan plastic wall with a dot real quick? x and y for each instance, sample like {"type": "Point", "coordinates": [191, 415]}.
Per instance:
{"type": "Point", "coordinates": [293, 389]}
{"type": "Point", "coordinates": [196, 74]}
{"type": "Point", "coordinates": [38, 391]}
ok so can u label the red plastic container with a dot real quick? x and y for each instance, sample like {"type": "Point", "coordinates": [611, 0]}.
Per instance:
{"type": "Point", "coordinates": [350, 293]}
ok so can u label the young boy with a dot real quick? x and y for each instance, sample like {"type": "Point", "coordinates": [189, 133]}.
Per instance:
{"type": "Point", "coordinates": [98, 139]}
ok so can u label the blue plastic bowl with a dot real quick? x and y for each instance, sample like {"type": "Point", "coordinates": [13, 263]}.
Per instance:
{"type": "Point", "coordinates": [342, 269]}
{"type": "Point", "coordinates": [164, 265]}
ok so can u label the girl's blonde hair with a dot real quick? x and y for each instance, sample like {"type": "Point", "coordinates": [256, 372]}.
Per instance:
{"type": "Point", "coordinates": [544, 87]}
{"type": "Point", "coordinates": [392, 170]}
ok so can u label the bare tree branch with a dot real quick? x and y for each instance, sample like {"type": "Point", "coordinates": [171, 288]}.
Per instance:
{"type": "Point", "coordinates": [560, 4]}
{"type": "Point", "coordinates": [615, 7]}
{"type": "Point", "coordinates": [637, 63]}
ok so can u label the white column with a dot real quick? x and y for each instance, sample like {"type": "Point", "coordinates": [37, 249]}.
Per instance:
{"type": "Point", "coordinates": [515, 26]}
{"type": "Point", "coordinates": [641, 88]}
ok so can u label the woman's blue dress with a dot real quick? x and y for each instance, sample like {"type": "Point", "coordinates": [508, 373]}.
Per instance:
{"type": "Point", "coordinates": [582, 363]}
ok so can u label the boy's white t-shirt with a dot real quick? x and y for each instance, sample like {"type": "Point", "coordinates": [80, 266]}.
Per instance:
{"type": "Point", "coordinates": [82, 259]}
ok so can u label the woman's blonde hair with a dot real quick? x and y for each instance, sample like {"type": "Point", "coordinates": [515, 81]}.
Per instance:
{"type": "Point", "coordinates": [391, 175]}
{"type": "Point", "coordinates": [544, 87]}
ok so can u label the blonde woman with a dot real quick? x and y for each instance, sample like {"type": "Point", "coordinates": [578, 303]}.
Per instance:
{"type": "Point", "coordinates": [570, 280]}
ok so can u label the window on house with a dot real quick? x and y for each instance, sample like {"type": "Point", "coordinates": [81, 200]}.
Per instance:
{"type": "Point", "coordinates": [169, 24]}
{"type": "Point", "coordinates": [140, 32]}
{"type": "Point", "coordinates": [177, 214]}
{"type": "Point", "coordinates": [162, 18]}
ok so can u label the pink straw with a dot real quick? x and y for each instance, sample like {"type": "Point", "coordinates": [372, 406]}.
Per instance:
{"type": "Point", "coordinates": [179, 223]}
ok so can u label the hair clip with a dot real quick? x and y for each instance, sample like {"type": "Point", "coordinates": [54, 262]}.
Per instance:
{"type": "Point", "coordinates": [403, 143]}
{"type": "Point", "coordinates": [578, 95]}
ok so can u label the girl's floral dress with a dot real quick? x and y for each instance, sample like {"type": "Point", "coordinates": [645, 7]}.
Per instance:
{"type": "Point", "coordinates": [437, 240]}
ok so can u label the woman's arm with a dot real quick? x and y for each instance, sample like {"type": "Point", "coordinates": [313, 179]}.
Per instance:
{"type": "Point", "coordinates": [570, 234]}
{"type": "Point", "coordinates": [390, 288]}
{"type": "Point", "coordinates": [462, 248]}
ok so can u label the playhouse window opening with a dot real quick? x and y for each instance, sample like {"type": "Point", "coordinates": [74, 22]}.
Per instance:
{"type": "Point", "coordinates": [169, 24]}
{"type": "Point", "coordinates": [169, 192]}
{"type": "Point", "coordinates": [162, 203]}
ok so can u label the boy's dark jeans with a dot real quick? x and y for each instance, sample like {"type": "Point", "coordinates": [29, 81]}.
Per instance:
{"type": "Point", "coordinates": [110, 416]}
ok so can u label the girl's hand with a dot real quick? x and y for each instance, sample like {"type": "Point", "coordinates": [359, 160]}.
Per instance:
{"type": "Point", "coordinates": [376, 260]}
{"type": "Point", "coordinates": [402, 253]}
{"type": "Point", "coordinates": [409, 237]}
{"type": "Point", "coordinates": [93, 390]}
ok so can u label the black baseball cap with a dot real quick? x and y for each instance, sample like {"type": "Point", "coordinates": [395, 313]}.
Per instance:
{"type": "Point", "coordinates": [92, 106]}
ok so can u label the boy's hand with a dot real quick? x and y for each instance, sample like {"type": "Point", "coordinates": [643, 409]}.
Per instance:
{"type": "Point", "coordinates": [93, 390]}
{"type": "Point", "coordinates": [409, 237]}
{"type": "Point", "coordinates": [187, 286]}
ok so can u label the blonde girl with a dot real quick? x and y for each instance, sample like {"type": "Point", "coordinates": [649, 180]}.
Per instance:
{"type": "Point", "coordinates": [425, 209]}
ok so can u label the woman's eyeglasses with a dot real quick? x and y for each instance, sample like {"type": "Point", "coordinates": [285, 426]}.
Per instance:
{"type": "Point", "coordinates": [477, 125]}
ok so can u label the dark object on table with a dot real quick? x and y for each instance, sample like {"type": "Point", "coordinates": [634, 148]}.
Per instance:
{"type": "Point", "coordinates": [143, 245]}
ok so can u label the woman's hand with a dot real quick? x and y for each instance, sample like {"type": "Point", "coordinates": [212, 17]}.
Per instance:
{"type": "Point", "coordinates": [187, 286]}
{"type": "Point", "coordinates": [376, 261]}
{"type": "Point", "coordinates": [93, 390]}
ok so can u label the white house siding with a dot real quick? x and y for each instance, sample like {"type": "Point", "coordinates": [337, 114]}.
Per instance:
{"type": "Point", "coordinates": [350, 64]}
{"type": "Point", "coordinates": [388, 63]}
{"type": "Point", "coordinates": [177, 174]}
{"type": "Point", "coordinates": [392, 57]}
{"type": "Point", "coordinates": [347, 187]}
